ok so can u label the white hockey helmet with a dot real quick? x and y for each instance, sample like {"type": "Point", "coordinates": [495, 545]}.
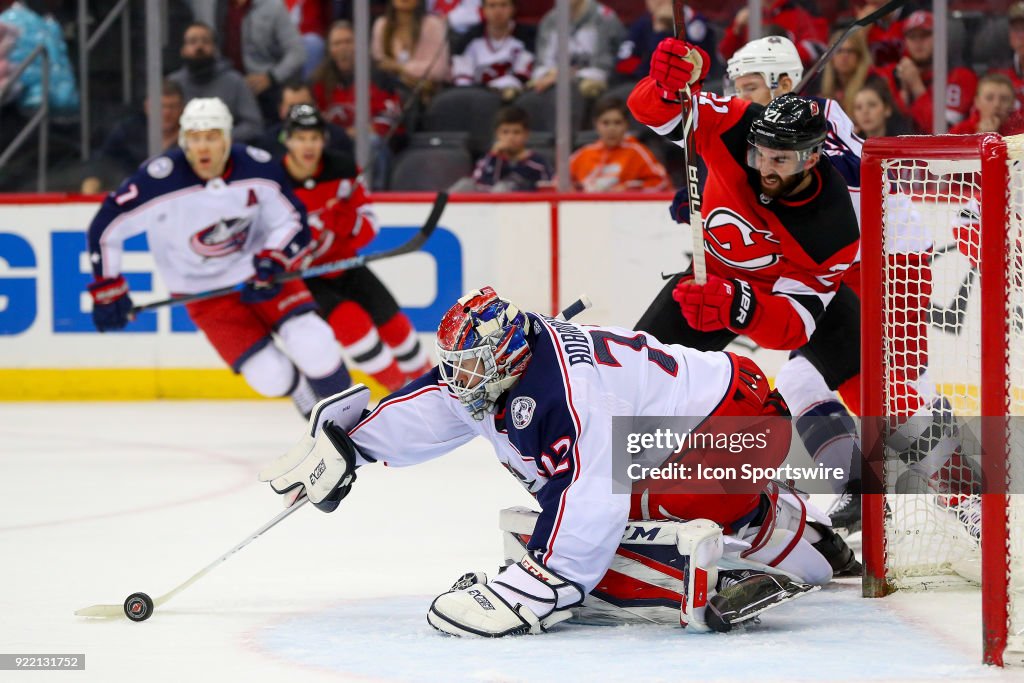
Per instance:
{"type": "Point", "coordinates": [205, 113]}
{"type": "Point", "coordinates": [772, 57]}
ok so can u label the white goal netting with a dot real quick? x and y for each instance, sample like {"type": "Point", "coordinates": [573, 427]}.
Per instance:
{"type": "Point", "coordinates": [933, 306]}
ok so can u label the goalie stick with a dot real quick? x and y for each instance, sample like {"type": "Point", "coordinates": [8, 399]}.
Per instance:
{"type": "Point", "coordinates": [357, 261]}
{"type": "Point", "coordinates": [700, 269]}
{"type": "Point", "coordinates": [110, 611]}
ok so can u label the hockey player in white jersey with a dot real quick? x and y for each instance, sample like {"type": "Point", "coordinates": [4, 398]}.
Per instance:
{"type": "Point", "coordinates": [215, 215]}
{"type": "Point", "coordinates": [543, 392]}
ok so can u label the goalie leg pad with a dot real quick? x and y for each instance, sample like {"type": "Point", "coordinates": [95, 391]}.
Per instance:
{"type": "Point", "coordinates": [663, 571]}
{"type": "Point", "coordinates": [525, 598]}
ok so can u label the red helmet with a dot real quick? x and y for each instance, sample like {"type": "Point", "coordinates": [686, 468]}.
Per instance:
{"type": "Point", "coordinates": [482, 349]}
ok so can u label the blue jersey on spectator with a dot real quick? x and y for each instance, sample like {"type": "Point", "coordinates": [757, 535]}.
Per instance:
{"type": "Point", "coordinates": [635, 52]}
{"type": "Point", "coordinates": [522, 175]}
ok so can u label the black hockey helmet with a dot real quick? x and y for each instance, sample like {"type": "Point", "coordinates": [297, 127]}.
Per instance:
{"type": "Point", "coordinates": [304, 117]}
{"type": "Point", "coordinates": [790, 122]}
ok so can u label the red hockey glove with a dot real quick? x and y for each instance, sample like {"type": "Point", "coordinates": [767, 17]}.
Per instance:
{"type": "Point", "coordinates": [676, 64]}
{"type": "Point", "coordinates": [268, 263]}
{"type": "Point", "coordinates": [718, 304]}
{"type": "Point", "coordinates": [111, 305]}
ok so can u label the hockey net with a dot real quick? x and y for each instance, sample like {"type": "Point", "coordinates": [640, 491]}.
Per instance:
{"type": "Point", "coordinates": [943, 345]}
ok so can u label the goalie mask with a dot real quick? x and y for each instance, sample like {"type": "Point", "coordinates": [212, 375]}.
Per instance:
{"type": "Point", "coordinates": [482, 349]}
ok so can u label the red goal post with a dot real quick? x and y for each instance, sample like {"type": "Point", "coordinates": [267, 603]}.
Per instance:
{"type": "Point", "coordinates": [960, 200]}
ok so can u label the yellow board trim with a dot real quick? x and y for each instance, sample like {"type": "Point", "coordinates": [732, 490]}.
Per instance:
{"type": "Point", "coordinates": [134, 384]}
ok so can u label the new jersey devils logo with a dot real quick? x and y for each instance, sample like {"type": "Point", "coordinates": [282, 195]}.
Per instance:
{"type": "Point", "coordinates": [224, 237]}
{"type": "Point", "coordinates": [736, 242]}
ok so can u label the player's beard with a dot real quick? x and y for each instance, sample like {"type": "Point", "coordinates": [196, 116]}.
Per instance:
{"type": "Point", "coordinates": [781, 188]}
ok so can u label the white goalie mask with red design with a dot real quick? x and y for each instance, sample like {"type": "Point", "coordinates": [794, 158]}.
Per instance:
{"type": "Point", "coordinates": [482, 349]}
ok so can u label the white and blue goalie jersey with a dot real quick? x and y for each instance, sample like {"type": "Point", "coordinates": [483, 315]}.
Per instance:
{"type": "Point", "coordinates": [554, 430]}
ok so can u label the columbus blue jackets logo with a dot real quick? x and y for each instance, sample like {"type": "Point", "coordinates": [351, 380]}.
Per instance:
{"type": "Point", "coordinates": [224, 237]}
{"type": "Point", "coordinates": [737, 243]}
{"type": "Point", "coordinates": [522, 411]}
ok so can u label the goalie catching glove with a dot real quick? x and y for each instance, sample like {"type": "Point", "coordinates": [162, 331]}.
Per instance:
{"type": "Point", "coordinates": [526, 597]}
{"type": "Point", "coordinates": [323, 462]}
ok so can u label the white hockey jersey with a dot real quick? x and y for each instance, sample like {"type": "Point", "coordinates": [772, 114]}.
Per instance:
{"type": "Point", "coordinates": [492, 63]}
{"type": "Point", "coordinates": [554, 431]}
{"type": "Point", "coordinates": [202, 235]}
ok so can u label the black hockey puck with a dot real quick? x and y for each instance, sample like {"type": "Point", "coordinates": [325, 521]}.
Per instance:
{"type": "Point", "coordinates": [138, 607]}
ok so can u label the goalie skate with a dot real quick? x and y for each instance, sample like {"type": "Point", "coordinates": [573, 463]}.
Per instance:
{"type": "Point", "coordinates": [744, 594]}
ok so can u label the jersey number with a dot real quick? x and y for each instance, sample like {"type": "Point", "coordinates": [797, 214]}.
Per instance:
{"type": "Point", "coordinates": [603, 352]}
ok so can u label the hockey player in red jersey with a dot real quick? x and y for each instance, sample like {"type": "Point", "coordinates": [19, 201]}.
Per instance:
{"type": "Point", "coordinates": [217, 215]}
{"type": "Point", "coordinates": [780, 229]}
{"type": "Point", "coordinates": [375, 333]}
{"type": "Point", "coordinates": [760, 71]}
{"type": "Point", "coordinates": [543, 392]}
{"type": "Point", "coordinates": [780, 234]}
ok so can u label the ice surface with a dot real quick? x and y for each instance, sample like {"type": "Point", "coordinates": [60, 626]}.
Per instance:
{"type": "Point", "coordinates": [104, 499]}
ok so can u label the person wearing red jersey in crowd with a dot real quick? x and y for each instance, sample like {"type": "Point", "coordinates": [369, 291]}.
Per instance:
{"type": "Point", "coordinates": [911, 78]}
{"type": "Point", "coordinates": [616, 161]}
{"type": "Point", "coordinates": [374, 332]}
{"type": "Point", "coordinates": [885, 35]}
{"type": "Point", "coordinates": [334, 91]}
{"type": "Point", "coordinates": [994, 103]}
{"type": "Point", "coordinates": [807, 32]}
{"type": "Point", "coordinates": [310, 18]}
{"type": "Point", "coordinates": [1015, 72]}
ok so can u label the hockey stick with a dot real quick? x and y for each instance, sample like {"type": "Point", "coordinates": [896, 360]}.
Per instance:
{"type": "Point", "coordinates": [412, 245]}
{"type": "Point", "coordinates": [575, 308]}
{"type": "Point", "coordinates": [110, 611]}
{"type": "Point", "coordinates": [700, 269]}
{"type": "Point", "coordinates": [866, 20]}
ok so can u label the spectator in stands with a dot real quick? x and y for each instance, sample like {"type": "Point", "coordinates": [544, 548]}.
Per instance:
{"type": "Point", "coordinates": [495, 55]}
{"type": "Point", "coordinates": [204, 74]}
{"type": "Point", "coordinates": [807, 32]}
{"type": "Point", "coordinates": [875, 113]}
{"type": "Point", "coordinates": [885, 36]}
{"type": "Point", "coordinates": [311, 18]}
{"type": "Point", "coordinates": [127, 145]}
{"type": "Point", "coordinates": [334, 94]}
{"type": "Point", "coordinates": [911, 78]}
{"type": "Point", "coordinates": [1015, 72]}
{"type": "Point", "coordinates": [411, 45]}
{"type": "Point", "coordinates": [993, 103]}
{"type": "Point", "coordinates": [509, 166]}
{"type": "Point", "coordinates": [846, 72]}
{"type": "Point", "coordinates": [616, 162]}
{"type": "Point", "coordinates": [462, 15]}
{"type": "Point", "coordinates": [634, 55]}
{"type": "Point", "coordinates": [595, 36]}
{"type": "Point", "coordinates": [296, 92]}
{"type": "Point", "coordinates": [262, 42]}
